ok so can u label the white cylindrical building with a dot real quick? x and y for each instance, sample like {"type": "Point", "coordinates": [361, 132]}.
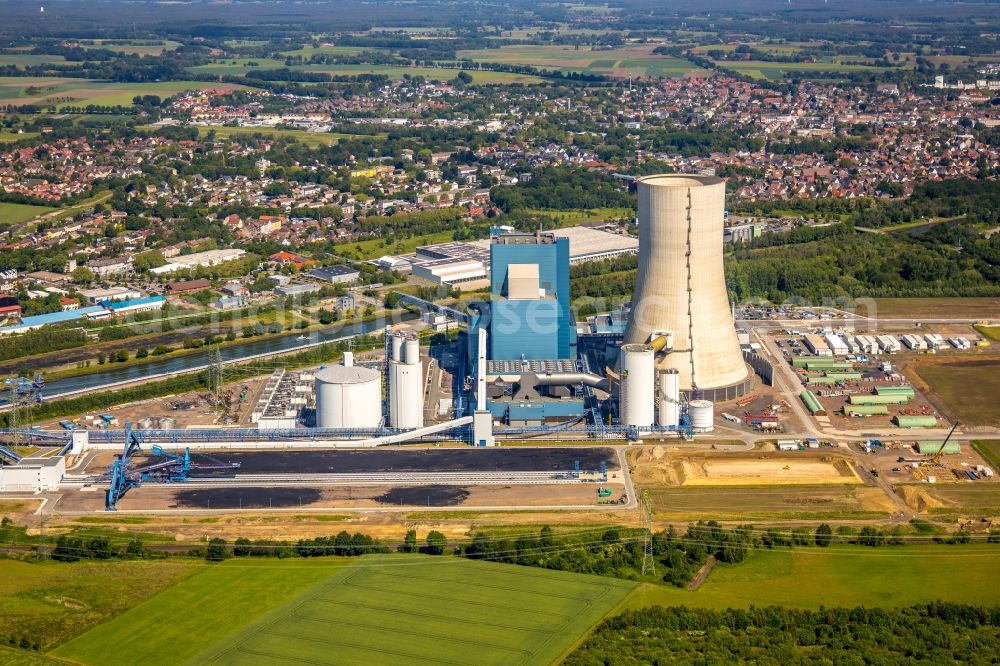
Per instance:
{"type": "Point", "coordinates": [680, 285]}
{"type": "Point", "coordinates": [397, 347]}
{"type": "Point", "coordinates": [669, 408]}
{"type": "Point", "coordinates": [348, 397]}
{"type": "Point", "coordinates": [637, 392]}
{"type": "Point", "coordinates": [406, 383]}
{"type": "Point", "coordinates": [411, 349]}
{"type": "Point", "coordinates": [702, 414]}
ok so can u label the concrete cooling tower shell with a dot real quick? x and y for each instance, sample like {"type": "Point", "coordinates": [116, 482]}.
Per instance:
{"type": "Point", "coordinates": [348, 397]}
{"type": "Point", "coordinates": [681, 288]}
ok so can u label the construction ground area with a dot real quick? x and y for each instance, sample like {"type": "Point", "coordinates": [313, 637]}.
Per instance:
{"type": "Point", "coordinates": [654, 465]}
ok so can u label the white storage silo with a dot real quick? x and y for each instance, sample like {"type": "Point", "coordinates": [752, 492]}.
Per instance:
{"type": "Point", "coordinates": [406, 383]}
{"type": "Point", "coordinates": [669, 404]}
{"type": "Point", "coordinates": [637, 395]}
{"type": "Point", "coordinates": [702, 413]}
{"type": "Point", "coordinates": [348, 397]}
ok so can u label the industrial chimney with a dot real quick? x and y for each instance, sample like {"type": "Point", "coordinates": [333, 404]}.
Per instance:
{"type": "Point", "coordinates": [680, 306]}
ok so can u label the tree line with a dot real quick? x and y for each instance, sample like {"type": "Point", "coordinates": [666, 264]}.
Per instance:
{"type": "Point", "coordinates": [931, 633]}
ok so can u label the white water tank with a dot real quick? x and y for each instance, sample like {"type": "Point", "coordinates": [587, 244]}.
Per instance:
{"type": "Point", "coordinates": [702, 413]}
{"type": "Point", "coordinates": [348, 397]}
{"type": "Point", "coordinates": [668, 414]}
{"type": "Point", "coordinates": [638, 391]}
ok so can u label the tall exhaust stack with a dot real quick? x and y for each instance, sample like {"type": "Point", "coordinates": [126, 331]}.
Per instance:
{"type": "Point", "coordinates": [681, 306]}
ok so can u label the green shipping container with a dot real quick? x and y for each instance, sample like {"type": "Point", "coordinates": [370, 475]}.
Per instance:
{"type": "Point", "coordinates": [869, 399]}
{"type": "Point", "coordinates": [916, 421]}
{"type": "Point", "coordinates": [812, 403]}
{"type": "Point", "coordinates": [866, 410]}
{"type": "Point", "coordinates": [930, 447]}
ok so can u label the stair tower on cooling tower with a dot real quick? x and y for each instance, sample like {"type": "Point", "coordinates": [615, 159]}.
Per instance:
{"type": "Point", "coordinates": [680, 294]}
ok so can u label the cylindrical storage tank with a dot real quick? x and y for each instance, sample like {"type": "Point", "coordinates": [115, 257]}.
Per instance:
{"type": "Point", "coordinates": [638, 391]}
{"type": "Point", "coordinates": [411, 350]}
{"type": "Point", "coordinates": [348, 397]}
{"type": "Point", "coordinates": [406, 397]}
{"type": "Point", "coordinates": [397, 347]}
{"type": "Point", "coordinates": [670, 392]}
{"type": "Point", "coordinates": [702, 413]}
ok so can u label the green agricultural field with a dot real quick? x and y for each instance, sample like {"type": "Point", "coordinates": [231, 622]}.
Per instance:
{"type": "Point", "coordinates": [968, 387]}
{"type": "Point", "coordinates": [404, 609]}
{"type": "Point", "coordinates": [310, 51]}
{"type": "Point", "coordinates": [239, 66]}
{"type": "Point", "coordinates": [931, 308]}
{"type": "Point", "coordinates": [135, 46]}
{"type": "Point", "coordinates": [842, 576]}
{"type": "Point", "coordinates": [620, 62]}
{"type": "Point", "coordinates": [29, 59]}
{"type": "Point", "coordinates": [201, 610]}
{"type": "Point", "coordinates": [12, 213]}
{"type": "Point", "coordinates": [769, 503]}
{"type": "Point", "coordinates": [49, 603]}
{"type": "Point", "coordinates": [778, 71]}
{"type": "Point", "coordinates": [236, 66]}
{"type": "Point", "coordinates": [61, 93]}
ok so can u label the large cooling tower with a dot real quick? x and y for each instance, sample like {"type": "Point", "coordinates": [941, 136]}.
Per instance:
{"type": "Point", "coordinates": [680, 294]}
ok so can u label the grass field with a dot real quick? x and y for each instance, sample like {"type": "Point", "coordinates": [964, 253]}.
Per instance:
{"type": "Point", "coordinates": [574, 217]}
{"type": "Point", "coordinates": [991, 332]}
{"type": "Point", "coordinates": [312, 139]}
{"type": "Point", "coordinates": [12, 213]}
{"type": "Point", "coordinates": [749, 503]}
{"type": "Point", "coordinates": [61, 92]}
{"type": "Point", "coordinates": [968, 387]}
{"type": "Point", "coordinates": [620, 62]}
{"type": "Point", "coordinates": [10, 137]}
{"type": "Point", "coordinates": [377, 247]}
{"type": "Point", "coordinates": [398, 609]}
{"type": "Point", "coordinates": [989, 449]}
{"type": "Point", "coordinates": [49, 603]}
{"type": "Point", "coordinates": [932, 308]}
{"type": "Point", "coordinates": [199, 611]}
{"type": "Point", "coordinates": [843, 576]}
{"type": "Point", "coordinates": [967, 498]}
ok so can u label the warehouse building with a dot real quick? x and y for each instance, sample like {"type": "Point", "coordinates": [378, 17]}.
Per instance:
{"type": "Point", "coordinates": [335, 274]}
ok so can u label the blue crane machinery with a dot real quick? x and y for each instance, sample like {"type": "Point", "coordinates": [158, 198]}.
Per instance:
{"type": "Point", "coordinates": [170, 468]}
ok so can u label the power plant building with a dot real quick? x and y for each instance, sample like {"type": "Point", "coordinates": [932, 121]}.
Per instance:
{"type": "Point", "coordinates": [531, 368]}
{"type": "Point", "coordinates": [681, 305]}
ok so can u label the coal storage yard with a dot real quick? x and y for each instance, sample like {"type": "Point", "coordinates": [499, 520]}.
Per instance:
{"type": "Point", "coordinates": [514, 459]}
{"type": "Point", "coordinates": [246, 498]}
